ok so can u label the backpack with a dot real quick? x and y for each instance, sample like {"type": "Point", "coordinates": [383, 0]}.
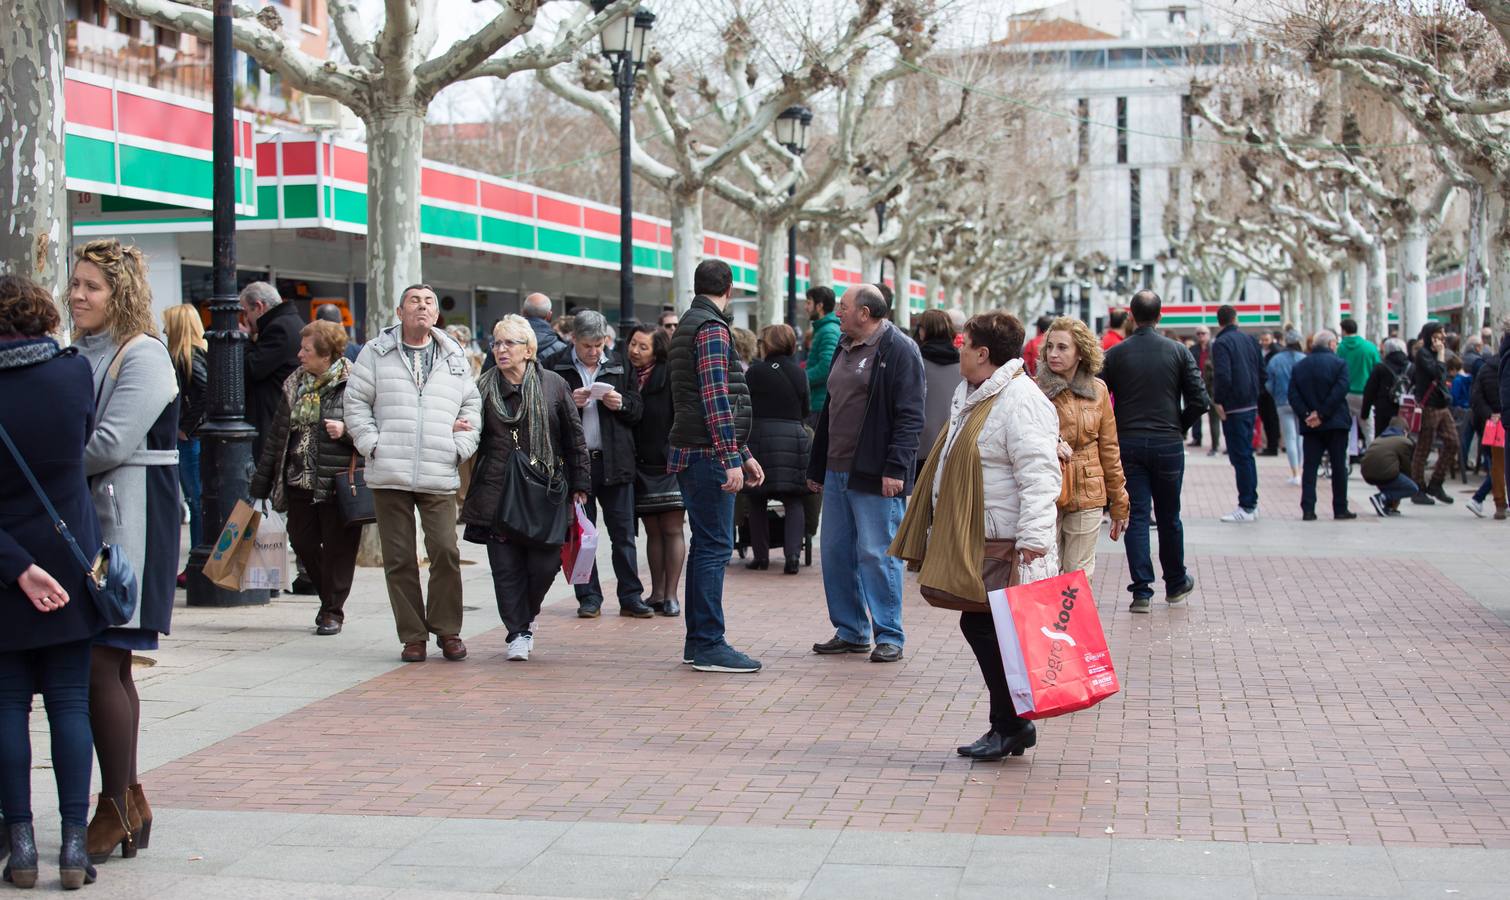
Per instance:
{"type": "Point", "coordinates": [1403, 384]}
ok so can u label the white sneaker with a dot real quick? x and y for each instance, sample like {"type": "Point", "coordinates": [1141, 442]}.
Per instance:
{"type": "Point", "coordinates": [1293, 481]}
{"type": "Point", "coordinates": [1241, 515]}
{"type": "Point", "coordinates": [519, 648]}
{"type": "Point", "coordinates": [529, 644]}
{"type": "Point", "coordinates": [1476, 507]}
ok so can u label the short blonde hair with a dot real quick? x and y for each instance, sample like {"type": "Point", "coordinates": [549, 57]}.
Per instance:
{"type": "Point", "coordinates": [1091, 358]}
{"type": "Point", "coordinates": [518, 328]}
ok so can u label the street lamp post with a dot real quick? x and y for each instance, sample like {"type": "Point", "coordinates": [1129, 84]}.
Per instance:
{"type": "Point", "coordinates": [624, 46]}
{"type": "Point", "coordinates": [225, 467]}
{"type": "Point", "coordinates": [791, 133]}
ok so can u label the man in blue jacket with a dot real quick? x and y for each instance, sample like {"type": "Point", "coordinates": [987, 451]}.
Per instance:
{"type": "Point", "coordinates": [863, 457]}
{"type": "Point", "coordinates": [1318, 396]}
{"type": "Point", "coordinates": [1237, 378]}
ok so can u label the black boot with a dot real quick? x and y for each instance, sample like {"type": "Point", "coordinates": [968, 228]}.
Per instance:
{"type": "Point", "coordinates": [972, 749]}
{"type": "Point", "coordinates": [1434, 490]}
{"type": "Point", "coordinates": [73, 859]}
{"type": "Point", "coordinates": [22, 868]}
{"type": "Point", "coordinates": [793, 565]}
{"type": "Point", "coordinates": [1422, 498]}
{"type": "Point", "coordinates": [670, 607]}
{"type": "Point", "coordinates": [998, 746]}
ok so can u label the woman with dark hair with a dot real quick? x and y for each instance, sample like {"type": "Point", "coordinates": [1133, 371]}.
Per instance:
{"type": "Point", "coordinates": [657, 499]}
{"type": "Point", "coordinates": [985, 507]}
{"type": "Point", "coordinates": [47, 616]}
{"type": "Point", "coordinates": [1433, 391]}
{"type": "Point", "coordinates": [781, 442]}
{"type": "Point", "coordinates": [934, 332]}
{"type": "Point", "coordinates": [132, 464]}
{"type": "Point", "coordinates": [306, 448]}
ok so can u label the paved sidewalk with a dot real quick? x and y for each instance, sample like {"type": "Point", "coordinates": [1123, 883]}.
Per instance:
{"type": "Point", "coordinates": [1328, 717]}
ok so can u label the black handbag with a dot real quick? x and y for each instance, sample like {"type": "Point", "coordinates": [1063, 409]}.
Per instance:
{"type": "Point", "coordinates": [353, 496]}
{"type": "Point", "coordinates": [532, 507]}
{"type": "Point", "coordinates": [111, 581]}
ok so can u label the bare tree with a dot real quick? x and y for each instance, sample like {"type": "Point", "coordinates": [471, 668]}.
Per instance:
{"type": "Point", "coordinates": [389, 81]}
{"type": "Point", "coordinates": [33, 193]}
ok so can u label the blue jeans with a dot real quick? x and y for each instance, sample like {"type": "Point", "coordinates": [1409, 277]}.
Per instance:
{"type": "Point", "coordinates": [1155, 471]}
{"type": "Point", "coordinates": [1398, 489]}
{"type": "Point", "coordinates": [710, 512]}
{"type": "Point", "coordinates": [858, 576]}
{"type": "Point", "coordinates": [1237, 428]}
{"type": "Point", "coordinates": [188, 482]}
{"type": "Point", "coordinates": [1289, 426]}
{"type": "Point", "coordinates": [60, 673]}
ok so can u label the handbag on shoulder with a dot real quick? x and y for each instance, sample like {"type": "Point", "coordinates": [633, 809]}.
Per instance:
{"type": "Point", "coordinates": [532, 507]}
{"type": "Point", "coordinates": [353, 496]}
{"type": "Point", "coordinates": [112, 583]}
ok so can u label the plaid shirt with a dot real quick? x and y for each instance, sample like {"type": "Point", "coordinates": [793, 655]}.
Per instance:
{"type": "Point", "coordinates": [713, 356]}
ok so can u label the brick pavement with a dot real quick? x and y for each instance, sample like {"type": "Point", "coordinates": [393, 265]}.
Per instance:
{"type": "Point", "coordinates": [1372, 711]}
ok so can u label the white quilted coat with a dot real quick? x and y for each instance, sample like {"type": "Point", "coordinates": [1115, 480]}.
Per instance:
{"type": "Point", "coordinates": [1019, 458]}
{"type": "Point", "coordinates": [403, 432]}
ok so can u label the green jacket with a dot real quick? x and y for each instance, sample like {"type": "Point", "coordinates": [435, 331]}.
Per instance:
{"type": "Point", "coordinates": [1361, 357]}
{"type": "Point", "coordinates": [819, 357]}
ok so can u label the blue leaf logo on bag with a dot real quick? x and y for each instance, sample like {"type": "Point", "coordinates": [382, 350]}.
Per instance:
{"type": "Point", "coordinates": [228, 538]}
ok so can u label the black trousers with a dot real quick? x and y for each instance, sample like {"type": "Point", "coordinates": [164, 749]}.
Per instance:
{"type": "Point", "coordinates": [793, 520]}
{"type": "Point", "coordinates": [1268, 413]}
{"type": "Point", "coordinates": [328, 547]}
{"type": "Point", "coordinates": [1313, 445]}
{"type": "Point", "coordinates": [979, 630]}
{"type": "Point", "coordinates": [617, 501]}
{"type": "Point", "coordinates": [521, 578]}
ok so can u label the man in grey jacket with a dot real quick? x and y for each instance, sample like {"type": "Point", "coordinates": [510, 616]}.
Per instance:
{"type": "Point", "coordinates": [414, 413]}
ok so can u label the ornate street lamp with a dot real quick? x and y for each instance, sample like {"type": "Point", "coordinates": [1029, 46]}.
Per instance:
{"type": "Point", "coordinates": [225, 434]}
{"type": "Point", "coordinates": [791, 133]}
{"type": "Point", "coordinates": [625, 43]}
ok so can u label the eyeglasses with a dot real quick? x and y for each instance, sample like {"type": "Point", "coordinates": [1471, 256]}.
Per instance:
{"type": "Point", "coordinates": [513, 342]}
{"type": "Point", "coordinates": [669, 326]}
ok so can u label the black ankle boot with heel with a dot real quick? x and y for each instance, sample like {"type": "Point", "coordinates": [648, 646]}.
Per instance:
{"type": "Point", "coordinates": [73, 859]}
{"type": "Point", "coordinates": [21, 871]}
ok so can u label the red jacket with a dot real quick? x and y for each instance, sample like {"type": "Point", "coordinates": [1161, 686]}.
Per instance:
{"type": "Point", "coordinates": [1110, 339]}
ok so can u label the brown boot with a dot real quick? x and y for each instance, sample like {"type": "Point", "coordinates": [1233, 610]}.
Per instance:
{"type": "Point", "coordinates": [139, 815]}
{"type": "Point", "coordinates": [414, 651]}
{"type": "Point", "coordinates": [108, 828]}
{"type": "Point", "coordinates": [452, 648]}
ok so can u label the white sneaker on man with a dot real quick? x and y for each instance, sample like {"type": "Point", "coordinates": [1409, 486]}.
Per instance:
{"type": "Point", "coordinates": [1293, 481]}
{"type": "Point", "coordinates": [1476, 507]}
{"type": "Point", "coordinates": [519, 648]}
{"type": "Point", "coordinates": [1241, 515]}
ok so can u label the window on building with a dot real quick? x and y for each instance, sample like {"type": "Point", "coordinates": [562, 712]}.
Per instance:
{"type": "Point", "coordinates": [166, 37]}
{"type": "Point", "coordinates": [307, 13]}
{"type": "Point", "coordinates": [1177, 15]}
{"type": "Point", "coordinates": [1135, 212]}
{"type": "Point", "coordinates": [1083, 127]}
{"type": "Point", "coordinates": [125, 25]}
{"type": "Point", "coordinates": [1122, 129]}
{"type": "Point", "coordinates": [1124, 58]}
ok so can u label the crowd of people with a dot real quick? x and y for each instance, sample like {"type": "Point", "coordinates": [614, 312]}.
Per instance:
{"type": "Point", "coordinates": [963, 450]}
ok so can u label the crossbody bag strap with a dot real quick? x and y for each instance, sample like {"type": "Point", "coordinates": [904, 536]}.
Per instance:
{"type": "Point", "coordinates": [113, 370]}
{"type": "Point", "coordinates": [57, 521]}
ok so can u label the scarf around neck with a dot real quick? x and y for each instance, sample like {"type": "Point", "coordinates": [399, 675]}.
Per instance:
{"type": "Point", "coordinates": [531, 409]}
{"type": "Point", "coordinates": [306, 404]}
{"type": "Point", "coordinates": [27, 352]}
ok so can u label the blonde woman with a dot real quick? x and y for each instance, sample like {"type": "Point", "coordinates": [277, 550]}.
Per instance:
{"type": "Point", "coordinates": [1070, 359]}
{"type": "Point", "coordinates": [131, 461]}
{"type": "Point", "coordinates": [184, 330]}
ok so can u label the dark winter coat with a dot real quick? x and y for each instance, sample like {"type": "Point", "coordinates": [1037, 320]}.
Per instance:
{"type": "Point", "coordinates": [332, 455]}
{"type": "Point", "coordinates": [1237, 367]}
{"type": "Point", "coordinates": [498, 443]}
{"type": "Point", "coordinates": [616, 428]}
{"type": "Point", "coordinates": [40, 383]}
{"type": "Point", "coordinates": [1156, 388]}
{"type": "Point", "coordinates": [193, 386]}
{"type": "Point", "coordinates": [547, 342]}
{"type": "Point", "coordinates": [888, 444]}
{"type": "Point", "coordinates": [1486, 392]}
{"type": "Point", "coordinates": [652, 436]}
{"type": "Point", "coordinates": [269, 360]}
{"type": "Point", "coordinates": [1387, 457]}
{"type": "Point", "coordinates": [1430, 384]}
{"type": "Point", "coordinates": [1379, 391]}
{"type": "Point", "coordinates": [779, 440]}
{"type": "Point", "coordinates": [1319, 384]}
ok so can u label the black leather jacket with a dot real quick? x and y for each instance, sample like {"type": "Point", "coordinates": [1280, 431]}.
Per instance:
{"type": "Point", "coordinates": [1155, 385]}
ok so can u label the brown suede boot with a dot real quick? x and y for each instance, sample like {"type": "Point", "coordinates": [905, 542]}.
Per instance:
{"type": "Point", "coordinates": [108, 828]}
{"type": "Point", "coordinates": [139, 815]}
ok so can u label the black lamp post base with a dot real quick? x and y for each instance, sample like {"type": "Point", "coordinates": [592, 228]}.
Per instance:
{"type": "Point", "coordinates": [204, 592]}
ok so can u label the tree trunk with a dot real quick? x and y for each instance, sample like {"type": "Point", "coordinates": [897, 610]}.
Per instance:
{"type": "Point", "coordinates": [932, 285]}
{"type": "Point", "coordinates": [902, 315]}
{"type": "Point", "coordinates": [1473, 265]}
{"type": "Point", "coordinates": [1499, 278]}
{"type": "Point", "coordinates": [1333, 310]}
{"type": "Point", "coordinates": [1413, 248]}
{"type": "Point", "coordinates": [1289, 305]}
{"type": "Point", "coordinates": [34, 238]}
{"type": "Point", "coordinates": [395, 147]}
{"type": "Point", "coordinates": [770, 273]}
{"type": "Point", "coordinates": [1378, 291]}
{"type": "Point", "coordinates": [1358, 290]}
{"type": "Point", "coordinates": [870, 264]}
{"type": "Point", "coordinates": [820, 268]}
{"type": "Point", "coordinates": [686, 244]}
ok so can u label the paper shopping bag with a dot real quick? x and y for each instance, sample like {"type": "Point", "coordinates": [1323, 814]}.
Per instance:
{"type": "Point", "coordinates": [1052, 646]}
{"type": "Point", "coordinates": [228, 556]}
{"type": "Point", "coordinates": [1494, 434]}
{"type": "Point", "coordinates": [581, 548]}
{"type": "Point", "coordinates": [267, 563]}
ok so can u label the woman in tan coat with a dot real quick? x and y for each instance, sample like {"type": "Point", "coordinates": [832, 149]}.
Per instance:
{"type": "Point", "coordinates": [1070, 360]}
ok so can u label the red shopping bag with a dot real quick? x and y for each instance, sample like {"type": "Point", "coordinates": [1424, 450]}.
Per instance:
{"type": "Point", "coordinates": [1410, 411]}
{"type": "Point", "coordinates": [1052, 646]}
{"type": "Point", "coordinates": [1494, 434]}
{"type": "Point", "coordinates": [580, 549]}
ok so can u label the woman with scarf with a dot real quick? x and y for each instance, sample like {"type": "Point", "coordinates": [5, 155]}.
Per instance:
{"type": "Point", "coordinates": [1090, 458]}
{"type": "Point", "coordinates": [994, 478]}
{"type": "Point", "coordinates": [657, 498]}
{"type": "Point", "coordinates": [306, 448]}
{"type": "Point", "coordinates": [935, 335]}
{"type": "Point", "coordinates": [531, 409]}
